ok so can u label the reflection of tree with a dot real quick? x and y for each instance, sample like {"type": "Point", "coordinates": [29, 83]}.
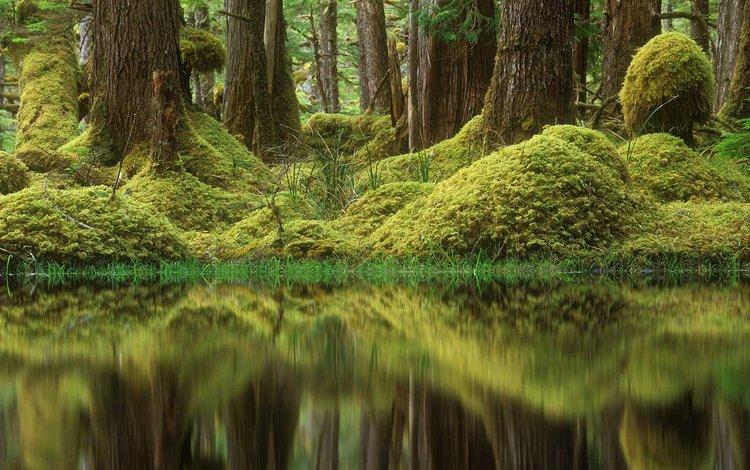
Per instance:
{"type": "Point", "coordinates": [326, 426]}
{"type": "Point", "coordinates": [261, 422]}
{"type": "Point", "coordinates": [733, 439]}
{"type": "Point", "coordinates": [381, 436]}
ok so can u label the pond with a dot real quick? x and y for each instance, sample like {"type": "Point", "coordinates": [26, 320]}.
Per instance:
{"type": "Point", "coordinates": [564, 374]}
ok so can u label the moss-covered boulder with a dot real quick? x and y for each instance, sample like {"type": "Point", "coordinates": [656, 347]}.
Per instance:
{"type": "Point", "coordinates": [543, 197]}
{"type": "Point", "coordinates": [369, 212]}
{"type": "Point", "coordinates": [324, 134]}
{"type": "Point", "coordinates": [593, 143]}
{"type": "Point", "coordinates": [84, 225]}
{"type": "Point", "coordinates": [14, 176]}
{"type": "Point", "coordinates": [669, 86]}
{"type": "Point", "coordinates": [663, 166]}
{"type": "Point", "coordinates": [201, 51]}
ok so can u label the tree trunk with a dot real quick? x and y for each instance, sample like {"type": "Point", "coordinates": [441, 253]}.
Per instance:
{"type": "Point", "coordinates": [455, 75]}
{"type": "Point", "coordinates": [699, 27]}
{"type": "Point", "coordinates": [415, 135]}
{"type": "Point", "coordinates": [628, 25]}
{"type": "Point", "coordinates": [727, 42]}
{"type": "Point", "coordinates": [204, 83]}
{"type": "Point", "coordinates": [84, 45]}
{"type": "Point", "coordinates": [532, 85]}
{"type": "Point", "coordinates": [669, 22]}
{"type": "Point", "coordinates": [397, 92]}
{"type": "Point", "coordinates": [132, 40]}
{"type": "Point", "coordinates": [738, 102]}
{"type": "Point", "coordinates": [166, 104]}
{"type": "Point", "coordinates": [285, 105]}
{"type": "Point", "coordinates": [373, 57]}
{"type": "Point", "coordinates": [582, 10]}
{"type": "Point", "coordinates": [329, 73]}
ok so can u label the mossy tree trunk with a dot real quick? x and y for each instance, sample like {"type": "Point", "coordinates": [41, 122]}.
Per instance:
{"type": "Point", "coordinates": [373, 57]}
{"type": "Point", "coordinates": [727, 41]}
{"type": "Point", "coordinates": [699, 27]}
{"type": "Point", "coordinates": [532, 85]}
{"type": "Point", "coordinates": [582, 10]}
{"type": "Point", "coordinates": [204, 83]}
{"type": "Point", "coordinates": [285, 105]}
{"type": "Point", "coordinates": [329, 73]}
{"type": "Point", "coordinates": [132, 39]}
{"type": "Point", "coordinates": [415, 134]}
{"type": "Point", "coordinates": [738, 101]}
{"type": "Point", "coordinates": [454, 75]}
{"type": "Point", "coordinates": [628, 25]}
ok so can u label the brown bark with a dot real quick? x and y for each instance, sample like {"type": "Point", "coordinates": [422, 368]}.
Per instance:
{"type": "Point", "coordinates": [582, 10]}
{"type": "Point", "coordinates": [285, 105]}
{"type": "Point", "coordinates": [727, 42]}
{"type": "Point", "coordinates": [397, 92]}
{"type": "Point", "coordinates": [628, 25]}
{"type": "Point", "coordinates": [373, 56]}
{"type": "Point", "coordinates": [132, 39]}
{"type": "Point", "coordinates": [532, 85]}
{"type": "Point", "coordinates": [454, 75]}
{"type": "Point", "coordinates": [738, 102]}
{"type": "Point", "coordinates": [415, 135]}
{"type": "Point", "coordinates": [699, 26]}
{"type": "Point", "coordinates": [166, 104]}
{"type": "Point", "coordinates": [329, 73]}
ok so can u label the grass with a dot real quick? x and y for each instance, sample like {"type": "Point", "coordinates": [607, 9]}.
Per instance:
{"type": "Point", "coordinates": [274, 271]}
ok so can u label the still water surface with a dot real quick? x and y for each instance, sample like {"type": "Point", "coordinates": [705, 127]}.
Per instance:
{"type": "Point", "coordinates": [530, 376]}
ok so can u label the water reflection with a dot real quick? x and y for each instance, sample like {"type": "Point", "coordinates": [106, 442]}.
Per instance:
{"type": "Point", "coordinates": [507, 376]}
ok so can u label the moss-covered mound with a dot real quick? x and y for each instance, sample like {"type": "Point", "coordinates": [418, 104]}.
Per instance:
{"type": "Point", "coordinates": [593, 143]}
{"type": "Point", "coordinates": [84, 225]}
{"type": "Point", "coordinates": [314, 239]}
{"type": "Point", "coordinates": [324, 134]}
{"type": "Point", "coordinates": [201, 51]}
{"type": "Point", "coordinates": [435, 163]}
{"type": "Point", "coordinates": [369, 212]}
{"type": "Point", "coordinates": [14, 176]}
{"type": "Point", "coordinates": [669, 86]}
{"type": "Point", "coordinates": [543, 197]}
{"type": "Point", "coordinates": [48, 117]}
{"type": "Point", "coordinates": [664, 167]}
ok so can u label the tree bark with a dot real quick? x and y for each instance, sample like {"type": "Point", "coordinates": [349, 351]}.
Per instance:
{"type": "Point", "coordinates": [204, 83]}
{"type": "Point", "coordinates": [738, 102]}
{"type": "Point", "coordinates": [455, 75]}
{"type": "Point", "coordinates": [397, 92]}
{"type": "Point", "coordinates": [373, 56]}
{"type": "Point", "coordinates": [727, 42]}
{"type": "Point", "coordinates": [415, 135]}
{"type": "Point", "coordinates": [628, 25]}
{"type": "Point", "coordinates": [329, 73]}
{"type": "Point", "coordinates": [285, 105]}
{"type": "Point", "coordinates": [582, 10]}
{"type": "Point", "coordinates": [699, 27]}
{"type": "Point", "coordinates": [132, 40]}
{"type": "Point", "coordinates": [532, 85]}
{"type": "Point", "coordinates": [166, 103]}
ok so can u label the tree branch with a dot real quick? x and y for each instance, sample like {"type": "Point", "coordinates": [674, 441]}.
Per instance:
{"type": "Point", "coordinates": [236, 16]}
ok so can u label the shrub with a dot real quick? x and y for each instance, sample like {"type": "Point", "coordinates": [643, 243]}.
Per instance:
{"type": "Point", "coordinates": [201, 51]}
{"type": "Point", "coordinates": [543, 197]}
{"type": "Point", "coordinates": [669, 87]}
{"type": "Point", "coordinates": [14, 176]}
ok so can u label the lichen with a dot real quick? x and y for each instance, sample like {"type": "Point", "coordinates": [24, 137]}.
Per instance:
{"type": "Point", "coordinates": [14, 176]}
{"type": "Point", "coordinates": [543, 197]}
{"type": "Point", "coordinates": [664, 167]}
{"type": "Point", "coordinates": [48, 116]}
{"type": "Point", "coordinates": [201, 51]}
{"type": "Point", "coordinates": [84, 225]}
{"type": "Point", "coordinates": [369, 212]}
{"type": "Point", "coordinates": [593, 143]}
{"type": "Point", "coordinates": [669, 86]}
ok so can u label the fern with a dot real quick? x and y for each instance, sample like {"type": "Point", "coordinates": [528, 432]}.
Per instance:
{"type": "Point", "coordinates": [737, 145]}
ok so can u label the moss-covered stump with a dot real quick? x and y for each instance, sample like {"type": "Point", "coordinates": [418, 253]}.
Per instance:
{"type": "Point", "coordinates": [201, 51]}
{"type": "Point", "coordinates": [342, 134]}
{"type": "Point", "coordinates": [663, 166]}
{"type": "Point", "coordinates": [543, 197]}
{"type": "Point", "coordinates": [593, 143]}
{"type": "Point", "coordinates": [85, 226]}
{"type": "Point", "coordinates": [369, 212]}
{"type": "Point", "coordinates": [48, 116]}
{"type": "Point", "coordinates": [14, 176]}
{"type": "Point", "coordinates": [669, 87]}
{"type": "Point", "coordinates": [690, 231]}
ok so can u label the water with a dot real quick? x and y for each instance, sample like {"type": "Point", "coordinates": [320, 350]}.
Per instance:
{"type": "Point", "coordinates": [594, 374]}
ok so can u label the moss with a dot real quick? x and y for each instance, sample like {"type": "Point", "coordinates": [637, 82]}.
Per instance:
{"type": "Point", "coordinates": [84, 225]}
{"type": "Point", "coordinates": [26, 9]}
{"type": "Point", "coordinates": [593, 143]}
{"type": "Point", "coordinates": [435, 163]}
{"type": "Point", "coordinates": [48, 117]}
{"type": "Point", "coordinates": [314, 239]}
{"type": "Point", "coordinates": [543, 197]}
{"type": "Point", "coordinates": [340, 133]}
{"type": "Point", "coordinates": [669, 86]}
{"type": "Point", "coordinates": [369, 212]}
{"type": "Point", "coordinates": [218, 95]}
{"type": "Point", "coordinates": [664, 167]}
{"type": "Point", "coordinates": [201, 51]}
{"type": "Point", "coordinates": [14, 176]}
{"type": "Point", "coordinates": [691, 231]}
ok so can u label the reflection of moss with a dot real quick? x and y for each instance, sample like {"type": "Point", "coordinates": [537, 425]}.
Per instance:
{"type": "Point", "coordinates": [14, 176]}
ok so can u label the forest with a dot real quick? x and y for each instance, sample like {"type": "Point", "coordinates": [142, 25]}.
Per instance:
{"type": "Point", "coordinates": [611, 131]}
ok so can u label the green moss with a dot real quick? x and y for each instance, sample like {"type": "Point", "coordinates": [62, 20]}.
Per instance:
{"type": "Point", "coordinates": [369, 212]}
{"type": "Point", "coordinates": [84, 225]}
{"type": "Point", "coordinates": [14, 176]}
{"type": "Point", "coordinates": [669, 86]}
{"type": "Point", "coordinates": [201, 51]}
{"type": "Point", "coordinates": [315, 239]}
{"type": "Point", "coordinates": [340, 133]}
{"type": "Point", "coordinates": [48, 117]}
{"type": "Point", "coordinates": [593, 143]}
{"type": "Point", "coordinates": [543, 197]}
{"type": "Point", "coordinates": [26, 9]}
{"type": "Point", "coordinates": [664, 167]}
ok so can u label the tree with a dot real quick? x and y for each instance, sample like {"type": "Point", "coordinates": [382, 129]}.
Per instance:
{"type": "Point", "coordinates": [455, 67]}
{"type": "Point", "coordinates": [281, 87]}
{"type": "Point", "coordinates": [627, 26]}
{"type": "Point", "coordinates": [134, 42]}
{"type": "Point", "coordinates": [373, 57]}
{"type": "Point", "coordinates": [582, 11]}
{"type": "Point", "coordinates": [532, 85]}
{"type": "Point", "coordinates": [204, 83]}
{"type": "Point", "coordinates": [699, 25]}
{"type": "Point", "coordinates": [727, 42]}
{"type": "Point", "coordinates": [738, 100]}
{"type": "Point", "coordinates": [328, 73]}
